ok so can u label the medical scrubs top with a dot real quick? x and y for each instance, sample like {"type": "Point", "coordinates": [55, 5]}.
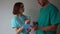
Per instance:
{"type": "Point", "coordinates": [48, 16]}
{"type": "Point", "coordinates": [16, 24]}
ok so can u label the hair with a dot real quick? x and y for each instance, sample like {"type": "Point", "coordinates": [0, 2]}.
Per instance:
{"type": "Point", "coordinates": [16, 7]}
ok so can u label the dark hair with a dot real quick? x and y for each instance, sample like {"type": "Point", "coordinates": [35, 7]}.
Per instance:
{"type": "Point", "coordinates": [16, 8]}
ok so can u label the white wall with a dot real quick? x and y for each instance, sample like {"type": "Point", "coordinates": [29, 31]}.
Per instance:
{"type": "Point", "coordinates": [31, 9]}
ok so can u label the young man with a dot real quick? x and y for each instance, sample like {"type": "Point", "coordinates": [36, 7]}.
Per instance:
{"type": "Point", "coordinates": [48, 18]}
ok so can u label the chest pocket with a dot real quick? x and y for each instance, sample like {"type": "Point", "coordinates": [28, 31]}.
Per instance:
{"type": "Point", "coordinates": [44, 18]}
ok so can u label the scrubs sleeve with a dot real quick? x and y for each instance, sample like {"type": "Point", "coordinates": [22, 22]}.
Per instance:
{"type": "Point", "coordinates": [14, 23]}
{"type": "Point", "coordinates": [54, 17]}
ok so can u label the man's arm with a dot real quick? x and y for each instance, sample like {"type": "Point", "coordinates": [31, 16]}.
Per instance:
{"type": "Point", "coordinates": [48, 28]}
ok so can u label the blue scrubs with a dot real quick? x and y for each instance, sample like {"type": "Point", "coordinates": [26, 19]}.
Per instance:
{"type": "Point", "coordinates": [16, 24]}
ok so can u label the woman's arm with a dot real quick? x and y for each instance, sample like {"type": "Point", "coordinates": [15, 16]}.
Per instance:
{"type": "Point", "coordinates": [17, 30]}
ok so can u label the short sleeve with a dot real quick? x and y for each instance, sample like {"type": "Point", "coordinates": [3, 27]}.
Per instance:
{"type": "Point", "coordinates": [54, 16]}
{"type": "Point", "coordinates": [13, 23]}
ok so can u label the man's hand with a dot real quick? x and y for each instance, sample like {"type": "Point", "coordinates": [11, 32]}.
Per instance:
{"type": "Point", "coordinates": [35, 28]}
{"type": "Point", "coordinates": [35, 23]}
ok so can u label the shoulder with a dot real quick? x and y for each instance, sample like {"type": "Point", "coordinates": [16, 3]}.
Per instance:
{"type": "Point", "coordinates": [53, 7]}
{"type": "Point", "coordinates": [14, 18]}
{"type": "Point", "coordinates": [27, 17]}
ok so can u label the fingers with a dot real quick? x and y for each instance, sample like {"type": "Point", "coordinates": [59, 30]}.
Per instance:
{"type": "Point", "coordinates": [27, 21]}
{"type": "Point", "coordinates": [28, 30]}
{"type": "Point", "coordinates": [35, 28]}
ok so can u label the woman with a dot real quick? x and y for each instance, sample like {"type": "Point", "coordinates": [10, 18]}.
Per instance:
{"type": "Point", "coordinates": [18, 20]}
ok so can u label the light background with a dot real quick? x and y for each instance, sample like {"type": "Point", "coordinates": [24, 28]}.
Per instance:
{"type": "Point", "coordinates": [31, 9]}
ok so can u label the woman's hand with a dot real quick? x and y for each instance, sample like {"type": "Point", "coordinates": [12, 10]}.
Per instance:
{"type": "Point", "coordinates": [28, 30]}
{"type": "Point", "coordinates": [27, 21]}
{"type": "Point", "coordinates": [17, 30]}
{"type": "Point", "coordinates": [21, 28]}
